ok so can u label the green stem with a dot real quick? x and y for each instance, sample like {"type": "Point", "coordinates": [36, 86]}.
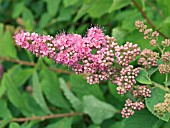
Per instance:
{"type": "Point", "coordinates": [166, 78]}
{"type": "Point", "coordinates": [160, 48]}
{"type": "Point", "coordinates": [161, 86]}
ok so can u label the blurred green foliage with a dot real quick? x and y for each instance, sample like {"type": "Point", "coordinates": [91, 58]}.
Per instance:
{"type": "Point", "coordinates": [31, 89]}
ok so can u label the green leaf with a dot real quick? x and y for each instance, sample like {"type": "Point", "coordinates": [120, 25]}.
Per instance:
{"type": "Point", "coordinates": [94, 126]}
{"type": "Point", "coordinates": [28, 18]}
{"type": "Point", "coordinates": [79, 83]}
{"type": "Point", "coordinates": [2, 87]}
{"type": "Point", "coordinates": [51, 88]}
{"type": "Point", "coordinates": [4, 122]}
{"type": "Point", "coordinates": [118, 124]}
{"type": "Point", "coordinates": [22, 76]}
{"type": "Point", "coordinates": [7, 47]}
{"type": "Point", "coordinates": [4, 111]}
{"type": "Point", "coordinates": [30, 124]}
{"type": "Point", "coordinates": [119, 34]}
{"type": "Point", "coordinates": [76, 103]}
{"type": "Point", "coordinates": [37, 93]}
{"type": "Point", "coordinates": [18, 8]}
{"type": "Point", "coordinates": [14, 125]}
{"type": "Point", "coordinates": [1, 31]}
{"type": "Point", "coordinates": [167, 83]}
{"type": "Point", "coordinates": [101, 8]}
{"type": "Point", "coordinates": [65, 14]}
{"type": "Point", "coordinates": [164, 5]}
{"type": "Point", "coordinates": [68, 3]}
{"type": "Point", "coordinates": [97, 110]}
{"type": "Point", "coordinates": [14, 95]}
{"type": "Point", "coordinates": [63, 123]}
{"type": "Point", "coordinates": [32, 106]}
{"type": "Point", "coordinates": [141, 119]}
{"type": "Point", "coordinates": [143, 77]}
{"type": "Point", "coordinates": [152, 70]}
{"type": "Point", "coordinates": [167, 125]}
{"type": "Point", "coordinates": [118, 4]}
{"type": "Point", "coordinates": [156, 97]}
{"type": "Point", "coordinates": [53, 6]}
{"type": "Point", "coordinates": [45, 19]}
{"type": "Point", "coordinates": [18, 75]}
{"type": "Point", "coordinates": [113, 91]}
{"type": "Point", "coordinates": [83, 10]}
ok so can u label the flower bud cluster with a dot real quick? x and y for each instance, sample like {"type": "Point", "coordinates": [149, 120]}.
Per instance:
{"type": "Point", "coordinates": [148, 58]}
{"type": "Point", "coordinates": [126, 53]}
{"type": "Point", "coordinates": [166, 57]}
{"type": "Point", "coordinates": [129, 108]}
{"type": "Point", "coordinates": [141, 91]}
{"type": "Point", "coordinates": [162, 108]}
{"type": "Point", "coordinates": [140, 26]}
{"type": "Point", "coordinates": [164, 68]}
{"type": "Point", "coordinates": [148, 33]}
{"type": "Point", "coordinates": [166, 42]}
{"type": "Point", "coordinates": [126, 79]}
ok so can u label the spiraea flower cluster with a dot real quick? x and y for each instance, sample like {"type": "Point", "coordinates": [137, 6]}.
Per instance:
{"type": "Point", "coordinates": [162, 108]}
{"type": "Point", "coordinates": [130, 106]}
{"type": "Point", "coordinates": [148, 58]}
{"type": "Point", "coordinates": [96, 55]}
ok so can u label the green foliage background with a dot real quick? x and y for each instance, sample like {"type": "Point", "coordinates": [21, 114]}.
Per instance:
{"type": "Point", "coordinates": [31, 89]}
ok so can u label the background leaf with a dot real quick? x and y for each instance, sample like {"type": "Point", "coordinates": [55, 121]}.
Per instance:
{"type": "Point", "coordinates": [78, 83]}
{"type": "Point", "coordinates": [76, 103]}
{"type": "Point", "coordinates": [37, 94]}
{"type": "Point", "coordinates": [63, 123]}
{"type": "Point", "coordinates": [7, 47]}
{"type": "Point", "coordinates": [143, 77]}
{"type": "Point", "coordinates": [156, 97]}
{"type": "Point", "coordinates": [51, 88]}
{"type": "Point", "coordinates": [137, 120]}
{"type": "Point", "coordinates": [53, 6]}
{"type": "Point", "coordinates": [97, 110]}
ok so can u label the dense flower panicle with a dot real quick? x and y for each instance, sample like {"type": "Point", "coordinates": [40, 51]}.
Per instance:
{"type": "Point", "coordinates": [95, 54]}
{"type": "Point", "coordinates": [126, 53]}
{"type": "Point", "coordinates": [148, 58]}
{"type": "Point", "coordinates": [129, 108]}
